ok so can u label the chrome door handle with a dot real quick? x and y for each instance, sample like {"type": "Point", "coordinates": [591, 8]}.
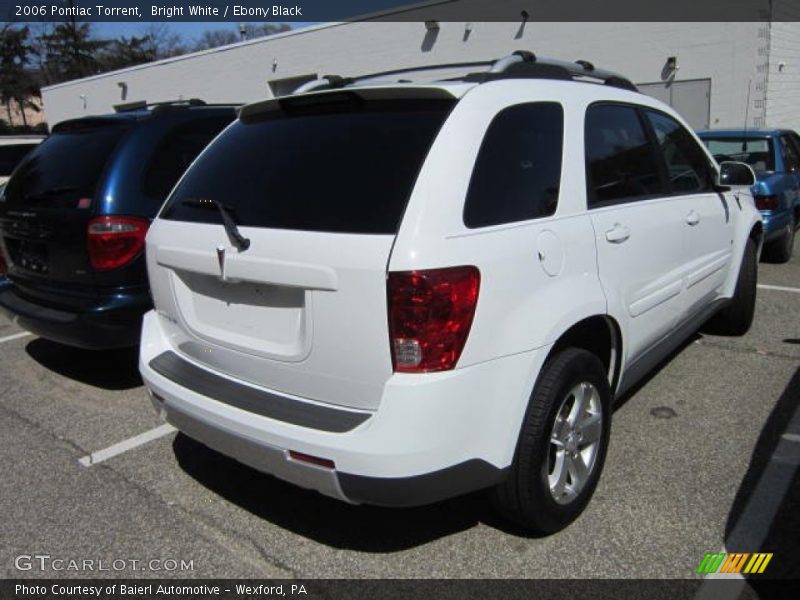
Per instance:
{"type": "Point", "coordinates": [692, 218]}
{"type": "Point", "coordinates": [618, 234]}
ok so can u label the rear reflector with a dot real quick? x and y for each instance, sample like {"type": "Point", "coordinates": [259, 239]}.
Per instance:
{"type": "Point", "coordinates": [767, 202]}
{"type": "Point", "coordinates": [313, 460]}
{"type": "Point", "coordinates": [115, 241]}
{"type": "Point", "coordinates": [430, 315]}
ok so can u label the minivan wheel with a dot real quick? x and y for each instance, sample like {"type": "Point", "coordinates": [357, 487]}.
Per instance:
{"type": "Point", "coordinates": [737, 317]}
{"type": "Point", "coordinates": [562, 445]}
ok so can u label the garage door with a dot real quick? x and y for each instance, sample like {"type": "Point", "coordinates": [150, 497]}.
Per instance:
{"type": "Point", "coordinates": [691, 98]}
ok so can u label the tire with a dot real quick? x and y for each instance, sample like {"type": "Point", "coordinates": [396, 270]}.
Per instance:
{"type": "Point", "coordinates": [737, 317]}
{"type": "Point", "coordinates": [526, 497]}
{"type": "Point", "coordinates": [780, 251]}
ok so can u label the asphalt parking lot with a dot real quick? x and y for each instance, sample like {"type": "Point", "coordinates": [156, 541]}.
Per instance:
{"type": "Point", "coordinates": [703, 457]}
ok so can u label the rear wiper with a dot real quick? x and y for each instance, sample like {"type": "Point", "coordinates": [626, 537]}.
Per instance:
{"type": "Point", "coordinates": [51, 192]}
{"type": "Point", "coordinates": [237, 239]}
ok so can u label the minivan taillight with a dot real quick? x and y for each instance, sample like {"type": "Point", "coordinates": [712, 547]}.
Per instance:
{"type": "Point", "coordinates": [766, 202]}
{"type": "Point", "coordinates": [430, 315]}
{"type": "Point", "coordinates": [115, 241]}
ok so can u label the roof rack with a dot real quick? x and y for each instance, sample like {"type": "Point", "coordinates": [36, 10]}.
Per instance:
{"type": "Point", "coordinates": [159, 106]}
{"type": "Point", "coordinates": [522, 64]}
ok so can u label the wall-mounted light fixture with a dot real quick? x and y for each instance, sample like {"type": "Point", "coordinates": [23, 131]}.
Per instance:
{"type": "Point", "coordinates": [83, 98]}
{"type": "Point", "coordinates": [670, 68]}
{"type": "Point", "coordinates": [274, 64]}
{"type": "Point", "coordinates": [123, 87]}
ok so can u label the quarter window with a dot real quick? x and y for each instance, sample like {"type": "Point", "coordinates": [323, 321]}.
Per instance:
{"type": "Point", "coordinates": [687, 164]}
{"type": "Point", "coordinates": [620, 161]}
{"type": "Point", "coordinates": [518, 169]}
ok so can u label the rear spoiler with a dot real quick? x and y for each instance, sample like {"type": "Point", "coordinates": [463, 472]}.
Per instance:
{"type": "Point", "coordinates": [285, 104]}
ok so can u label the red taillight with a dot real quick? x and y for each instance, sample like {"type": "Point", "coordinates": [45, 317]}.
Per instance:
{"type": "Point", "coordinates": [767, 202]}
{"type": "Point", "coordinates": [115, 241]}
{"type": "Point", "coordinates": [430, 314]}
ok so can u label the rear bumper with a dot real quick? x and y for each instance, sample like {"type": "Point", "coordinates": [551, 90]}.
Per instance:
{"type": "Point", "coordinates": [111, 323]}
{"type": "Point", "coordinates": [433, 437]}
{"type": "Point", "coordinates": [775, 223]}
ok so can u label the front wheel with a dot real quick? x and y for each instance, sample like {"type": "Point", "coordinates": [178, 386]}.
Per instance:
{"type": "Point", "coordinates": [737, 317]}
{"type": "Point", "coordinates": [562, 445]}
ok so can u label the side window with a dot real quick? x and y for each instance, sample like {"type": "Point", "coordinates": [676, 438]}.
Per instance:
{"type": "Point", "coordinates": [177, 151]}
{"type": "Point", "coordinates": [518, 169]}
{"type": "Point", "coordinates": [688, 168]}
{"type": "Point", "coordinates": [620, 161]}
{"type": "Point", "coordinates": [791, 161]}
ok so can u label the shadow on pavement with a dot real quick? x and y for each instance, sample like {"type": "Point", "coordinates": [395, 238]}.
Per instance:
{"type": "Point", "coordinates": [114, 370]}
{"type": "Point", "coordinates": [764, 516]}
{"type": "Point", "coordinates": [322, 519]}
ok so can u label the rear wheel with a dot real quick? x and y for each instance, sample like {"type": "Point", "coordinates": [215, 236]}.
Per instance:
{"type": "Point", "coordinates": [780, 251]}
{"type": "Point", "coordinates": [562, 445]}
{"type": "Point", "coordinates": [736, 318]}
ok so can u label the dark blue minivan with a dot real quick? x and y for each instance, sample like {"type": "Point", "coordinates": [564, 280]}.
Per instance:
{"type": "Point", "coordinates": [74, 216]}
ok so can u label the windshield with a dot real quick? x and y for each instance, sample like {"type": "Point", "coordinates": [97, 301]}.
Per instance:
{"type": "Point", "coordinates": [756, 152]}
{"type": "Point", "coordinates": [344, 167]}
{"type": "Point", "coordinates": [67, 161]}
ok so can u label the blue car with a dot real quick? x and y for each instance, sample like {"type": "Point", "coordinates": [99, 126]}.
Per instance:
{"type": "Point", "coordinates": [74, 215]}
{"type": "Point", "coordinates": [774, 155]}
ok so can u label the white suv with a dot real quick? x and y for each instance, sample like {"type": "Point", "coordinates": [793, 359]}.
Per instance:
{"type": "Point", "coordinates": [394, 293]}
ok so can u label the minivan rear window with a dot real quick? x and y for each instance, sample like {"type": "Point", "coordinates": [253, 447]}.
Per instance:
{"type": "Point", "coordinates": [11, 155]}
{"type": "Point", "coordinates": [69, 161]}
{"type": "Point", "coordinates": [340, 167]}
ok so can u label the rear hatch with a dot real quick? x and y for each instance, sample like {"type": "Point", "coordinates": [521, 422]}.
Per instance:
{"type": "Point", "coordinates": [47, 205]}
{"type": "Point", "coordinates": [318, 185]}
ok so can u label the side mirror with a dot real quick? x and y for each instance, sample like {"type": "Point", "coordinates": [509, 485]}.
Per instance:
{"type": "Point", "coordinates": [735, 174]}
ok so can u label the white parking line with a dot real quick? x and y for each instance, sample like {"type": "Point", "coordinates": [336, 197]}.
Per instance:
{"type": "Point", "coordinates": [791, 437]}
{"type": "Point", "coordinates": [16, 336]}
{"type": "Point", "coordinates": [779, 288]}
{"type": "Point", "coordinates": [125, 445]}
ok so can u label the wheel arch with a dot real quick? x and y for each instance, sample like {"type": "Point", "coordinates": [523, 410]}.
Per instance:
{"type": "Point", "coordinates": [599, 334]}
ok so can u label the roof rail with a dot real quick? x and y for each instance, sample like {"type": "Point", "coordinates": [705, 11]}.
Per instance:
{"type": "Point", "coordinates": [526, 64]}
{"type": "Point", "coordinates": [520, 64]}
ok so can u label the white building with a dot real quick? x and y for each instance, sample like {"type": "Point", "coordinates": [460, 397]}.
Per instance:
{"type": "Point", "coordinates": [715, 74]}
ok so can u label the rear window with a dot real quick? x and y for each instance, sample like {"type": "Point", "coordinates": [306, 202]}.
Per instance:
{"type": "Point", "coordinates": [67, 161]}
{"type": "Point", "coordinates": [11, 155]}
{"type": "Point", "coordinates": [756, 152]}
{"type": "Point", "coordinates": [176, 152]}
{"type": "Point", "coordinates": [346, 166]}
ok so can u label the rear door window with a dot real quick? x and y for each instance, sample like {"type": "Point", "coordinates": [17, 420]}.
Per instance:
{"type": "Point", "coordinates": [518, 170]}
{"type": "Point", "coordinates": [70, 161]}
{"type": "Point", "coordinates": [342, 165]}
{"type": "Point", "coordinates": [791, 161]}
{"type": "Point", "coordinates": [620, 161]}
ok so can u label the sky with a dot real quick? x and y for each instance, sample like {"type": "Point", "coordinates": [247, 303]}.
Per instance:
{"type": "Point", "coordinates": [189, 31]}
